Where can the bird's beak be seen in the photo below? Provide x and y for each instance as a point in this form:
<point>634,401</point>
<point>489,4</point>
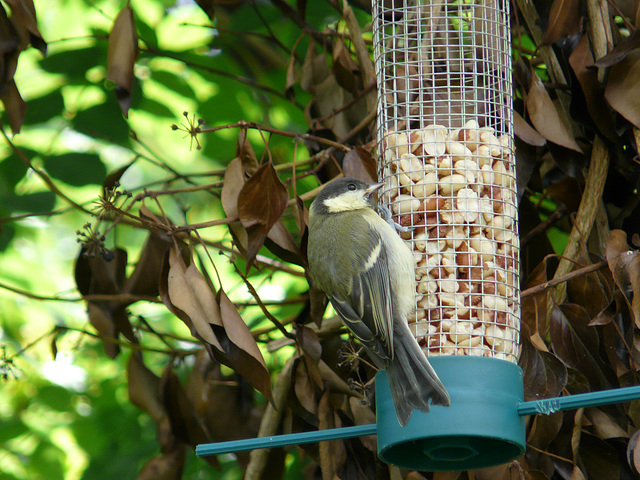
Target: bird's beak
<point>374,187</point>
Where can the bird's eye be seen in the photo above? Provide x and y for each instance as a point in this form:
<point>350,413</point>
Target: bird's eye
<point>351,186</point>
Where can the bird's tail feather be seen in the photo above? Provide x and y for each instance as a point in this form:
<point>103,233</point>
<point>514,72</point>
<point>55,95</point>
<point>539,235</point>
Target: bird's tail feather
<point>412,380</point>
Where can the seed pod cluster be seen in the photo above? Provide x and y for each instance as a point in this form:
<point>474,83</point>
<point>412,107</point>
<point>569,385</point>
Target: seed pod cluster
<point>455,189</point>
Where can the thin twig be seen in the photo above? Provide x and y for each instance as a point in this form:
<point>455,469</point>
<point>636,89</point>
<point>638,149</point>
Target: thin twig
<point>563,278</point>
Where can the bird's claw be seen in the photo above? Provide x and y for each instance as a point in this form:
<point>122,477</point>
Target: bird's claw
<point>386,214</point>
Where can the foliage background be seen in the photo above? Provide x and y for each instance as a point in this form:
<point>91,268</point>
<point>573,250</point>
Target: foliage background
<point>105,376</point>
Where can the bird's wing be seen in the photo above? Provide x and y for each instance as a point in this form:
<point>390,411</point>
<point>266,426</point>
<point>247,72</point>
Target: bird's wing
<point>368,310</point>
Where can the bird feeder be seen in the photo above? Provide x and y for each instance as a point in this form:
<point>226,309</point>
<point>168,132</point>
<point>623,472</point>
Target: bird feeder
<point>446,157</point>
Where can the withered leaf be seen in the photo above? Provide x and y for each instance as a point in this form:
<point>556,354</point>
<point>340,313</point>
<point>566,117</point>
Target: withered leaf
<point>14,105</point>
<point>360,164</point>
<point>189,291</point>
<point>576,344</point>
<point>633,452</point>
<point>544,428</point>
<point>252,365</point>
<point>280,242</point>
<point>148,215</point>
<point>594,291</point>
<point>623,87</point>
<point>303,388</point>
<point>121,56</point>
<point>308,340</point>
<point>593,91</point>
<point>600,458</point>
<point>261,202</point>
<point>144,387</point>
<point>185,423</point>
<point>620,51</point>
<point>114,177</point>
<point>545,117</point>
<point>166,466</point>
<point>103,323</point>
<point>526,132</point>
<point>624,265</point>
<point>544,375</point>
<point>364,415</point>
<point>604,426</point>
<point>245,152</point>
<point>233,183</point>
<point>564,20</point>
<point>23,16</point>
<point>344,68</point>
<point>333,453</point>
<point>146,276</point>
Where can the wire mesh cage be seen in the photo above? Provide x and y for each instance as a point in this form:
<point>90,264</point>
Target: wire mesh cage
<point>446,155</point>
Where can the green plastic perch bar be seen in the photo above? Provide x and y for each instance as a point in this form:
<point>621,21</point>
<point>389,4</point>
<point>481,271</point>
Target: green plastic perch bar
<point>546,406</point>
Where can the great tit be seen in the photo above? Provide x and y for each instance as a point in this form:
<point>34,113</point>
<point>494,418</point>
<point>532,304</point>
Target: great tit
<point>367,272</point>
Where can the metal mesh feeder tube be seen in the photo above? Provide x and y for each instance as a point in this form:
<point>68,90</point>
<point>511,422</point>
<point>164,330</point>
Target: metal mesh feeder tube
<point>446,156</point>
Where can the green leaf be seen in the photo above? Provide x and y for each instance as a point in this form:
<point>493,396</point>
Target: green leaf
<point>93,122</point>
<point>43,109</point>
<point>77,169</point>
<point>74,63</point>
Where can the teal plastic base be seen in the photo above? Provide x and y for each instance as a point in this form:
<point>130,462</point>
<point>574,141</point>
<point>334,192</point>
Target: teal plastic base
<point>481,428</point>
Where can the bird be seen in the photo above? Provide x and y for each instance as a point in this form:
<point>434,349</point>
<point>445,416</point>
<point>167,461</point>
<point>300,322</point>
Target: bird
<point>366,271</point>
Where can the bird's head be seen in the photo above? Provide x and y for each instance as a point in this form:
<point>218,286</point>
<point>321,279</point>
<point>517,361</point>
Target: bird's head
<point>344,195</point>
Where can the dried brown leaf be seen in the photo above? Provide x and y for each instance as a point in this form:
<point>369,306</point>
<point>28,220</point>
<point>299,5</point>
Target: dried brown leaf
<point>564,20</point>
<point>580,60</point>
<point>261,202</point>
<point>526,132</point>
<point>624,265</point>
<point>623,87</point>
<point>344,68</point>
<point>114,177</point>
<point>593,291</point>
<point>308,341</point>
<point>604,426</point>
<point>251,365</point>
<point>633,452</point>
<point>600,460</point>
<point>14,105</point>
<point>146,275</point>
<point>360,164</point>
<point>544,375</point>
<point>186,425</point>
<point>189,291</point>
<point>166,466</point>
<point>620,51</point>
<point>577,474</point>
<point>544,429</point>
<point>23,16</point>
<point>121,56</point>
<point>244,151</point>
<point>280,242</point>
<point>103,323</point>
<point>333,453</point>
<point>576,344</point>
<point>545,117</point>
<point>303,388</point>
<point>144,388</point>
<point>364,415</point>
<point>233,183</point>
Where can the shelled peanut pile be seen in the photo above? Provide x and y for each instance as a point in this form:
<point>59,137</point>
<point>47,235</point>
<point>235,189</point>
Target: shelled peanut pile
<point>456,189</point>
